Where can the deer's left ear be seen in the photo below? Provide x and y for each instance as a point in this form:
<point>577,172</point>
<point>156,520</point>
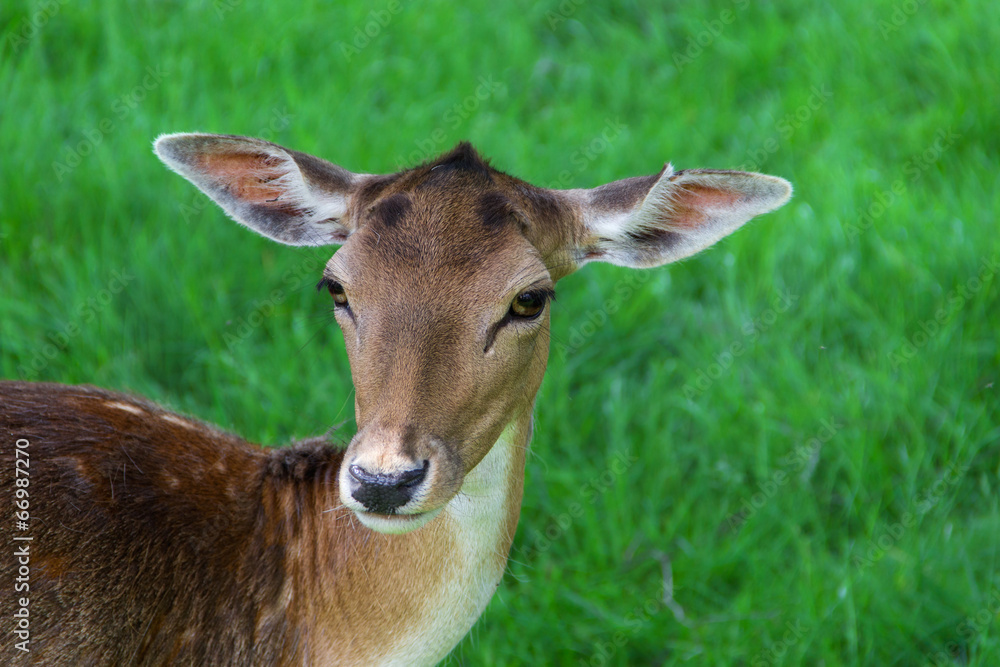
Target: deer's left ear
<point>652,220</point>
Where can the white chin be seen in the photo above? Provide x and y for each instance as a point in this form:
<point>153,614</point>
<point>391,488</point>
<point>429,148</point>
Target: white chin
<point>396,524</point>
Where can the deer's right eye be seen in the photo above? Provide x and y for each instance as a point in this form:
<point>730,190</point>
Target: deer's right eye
<point>336,291</point>
<point>529,305</point>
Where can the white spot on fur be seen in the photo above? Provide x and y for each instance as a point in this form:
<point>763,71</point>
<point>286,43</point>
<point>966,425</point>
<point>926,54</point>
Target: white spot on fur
<point>127,407</point>
<point>81,468</point>
<point>174,419</point>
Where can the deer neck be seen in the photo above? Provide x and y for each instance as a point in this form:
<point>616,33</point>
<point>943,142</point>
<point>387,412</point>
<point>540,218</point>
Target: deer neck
<point>409,599</point>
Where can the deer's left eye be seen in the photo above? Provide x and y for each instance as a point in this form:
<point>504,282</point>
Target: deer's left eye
<point>529,305</point>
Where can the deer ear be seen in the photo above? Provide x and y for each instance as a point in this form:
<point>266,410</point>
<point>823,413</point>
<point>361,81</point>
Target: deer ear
<point>652,220</point>
<point>282,194</point>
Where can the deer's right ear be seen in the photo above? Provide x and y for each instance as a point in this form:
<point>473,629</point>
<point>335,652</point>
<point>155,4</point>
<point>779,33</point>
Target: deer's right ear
<point>282,194</point>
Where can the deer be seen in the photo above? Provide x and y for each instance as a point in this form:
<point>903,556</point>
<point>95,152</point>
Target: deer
<point>155,538</point>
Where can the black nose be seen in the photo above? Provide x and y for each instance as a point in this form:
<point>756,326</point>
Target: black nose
<point>385,493</point>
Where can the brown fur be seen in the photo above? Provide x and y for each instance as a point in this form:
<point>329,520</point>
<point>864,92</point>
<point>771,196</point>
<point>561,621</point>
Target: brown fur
<point>213,552</point>
<point>143,542</point>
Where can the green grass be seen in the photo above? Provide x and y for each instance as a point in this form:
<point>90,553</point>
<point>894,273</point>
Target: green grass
<point>876,546</point>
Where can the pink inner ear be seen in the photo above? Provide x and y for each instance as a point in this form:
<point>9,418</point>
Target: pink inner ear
<point>245,175</point>
<point>693,204</point>
<point>248,177</point>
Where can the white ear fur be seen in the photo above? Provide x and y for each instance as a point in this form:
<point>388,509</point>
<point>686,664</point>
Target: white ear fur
<point>290,197</point>
<point>681,214</point>
<point>316,203</point>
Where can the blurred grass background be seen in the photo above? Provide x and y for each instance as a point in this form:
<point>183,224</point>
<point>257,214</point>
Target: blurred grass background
<point>811,405</point>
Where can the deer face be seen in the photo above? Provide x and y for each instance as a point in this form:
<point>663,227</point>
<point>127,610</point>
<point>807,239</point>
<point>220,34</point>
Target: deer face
<point>444,305</point>
<point>442,287</point>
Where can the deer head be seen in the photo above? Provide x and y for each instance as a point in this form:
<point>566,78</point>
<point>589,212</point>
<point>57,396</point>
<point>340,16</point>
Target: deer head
<point>442,287</point>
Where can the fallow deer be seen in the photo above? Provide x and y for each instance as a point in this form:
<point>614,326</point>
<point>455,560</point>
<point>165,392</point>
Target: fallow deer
<point>157,539</point>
